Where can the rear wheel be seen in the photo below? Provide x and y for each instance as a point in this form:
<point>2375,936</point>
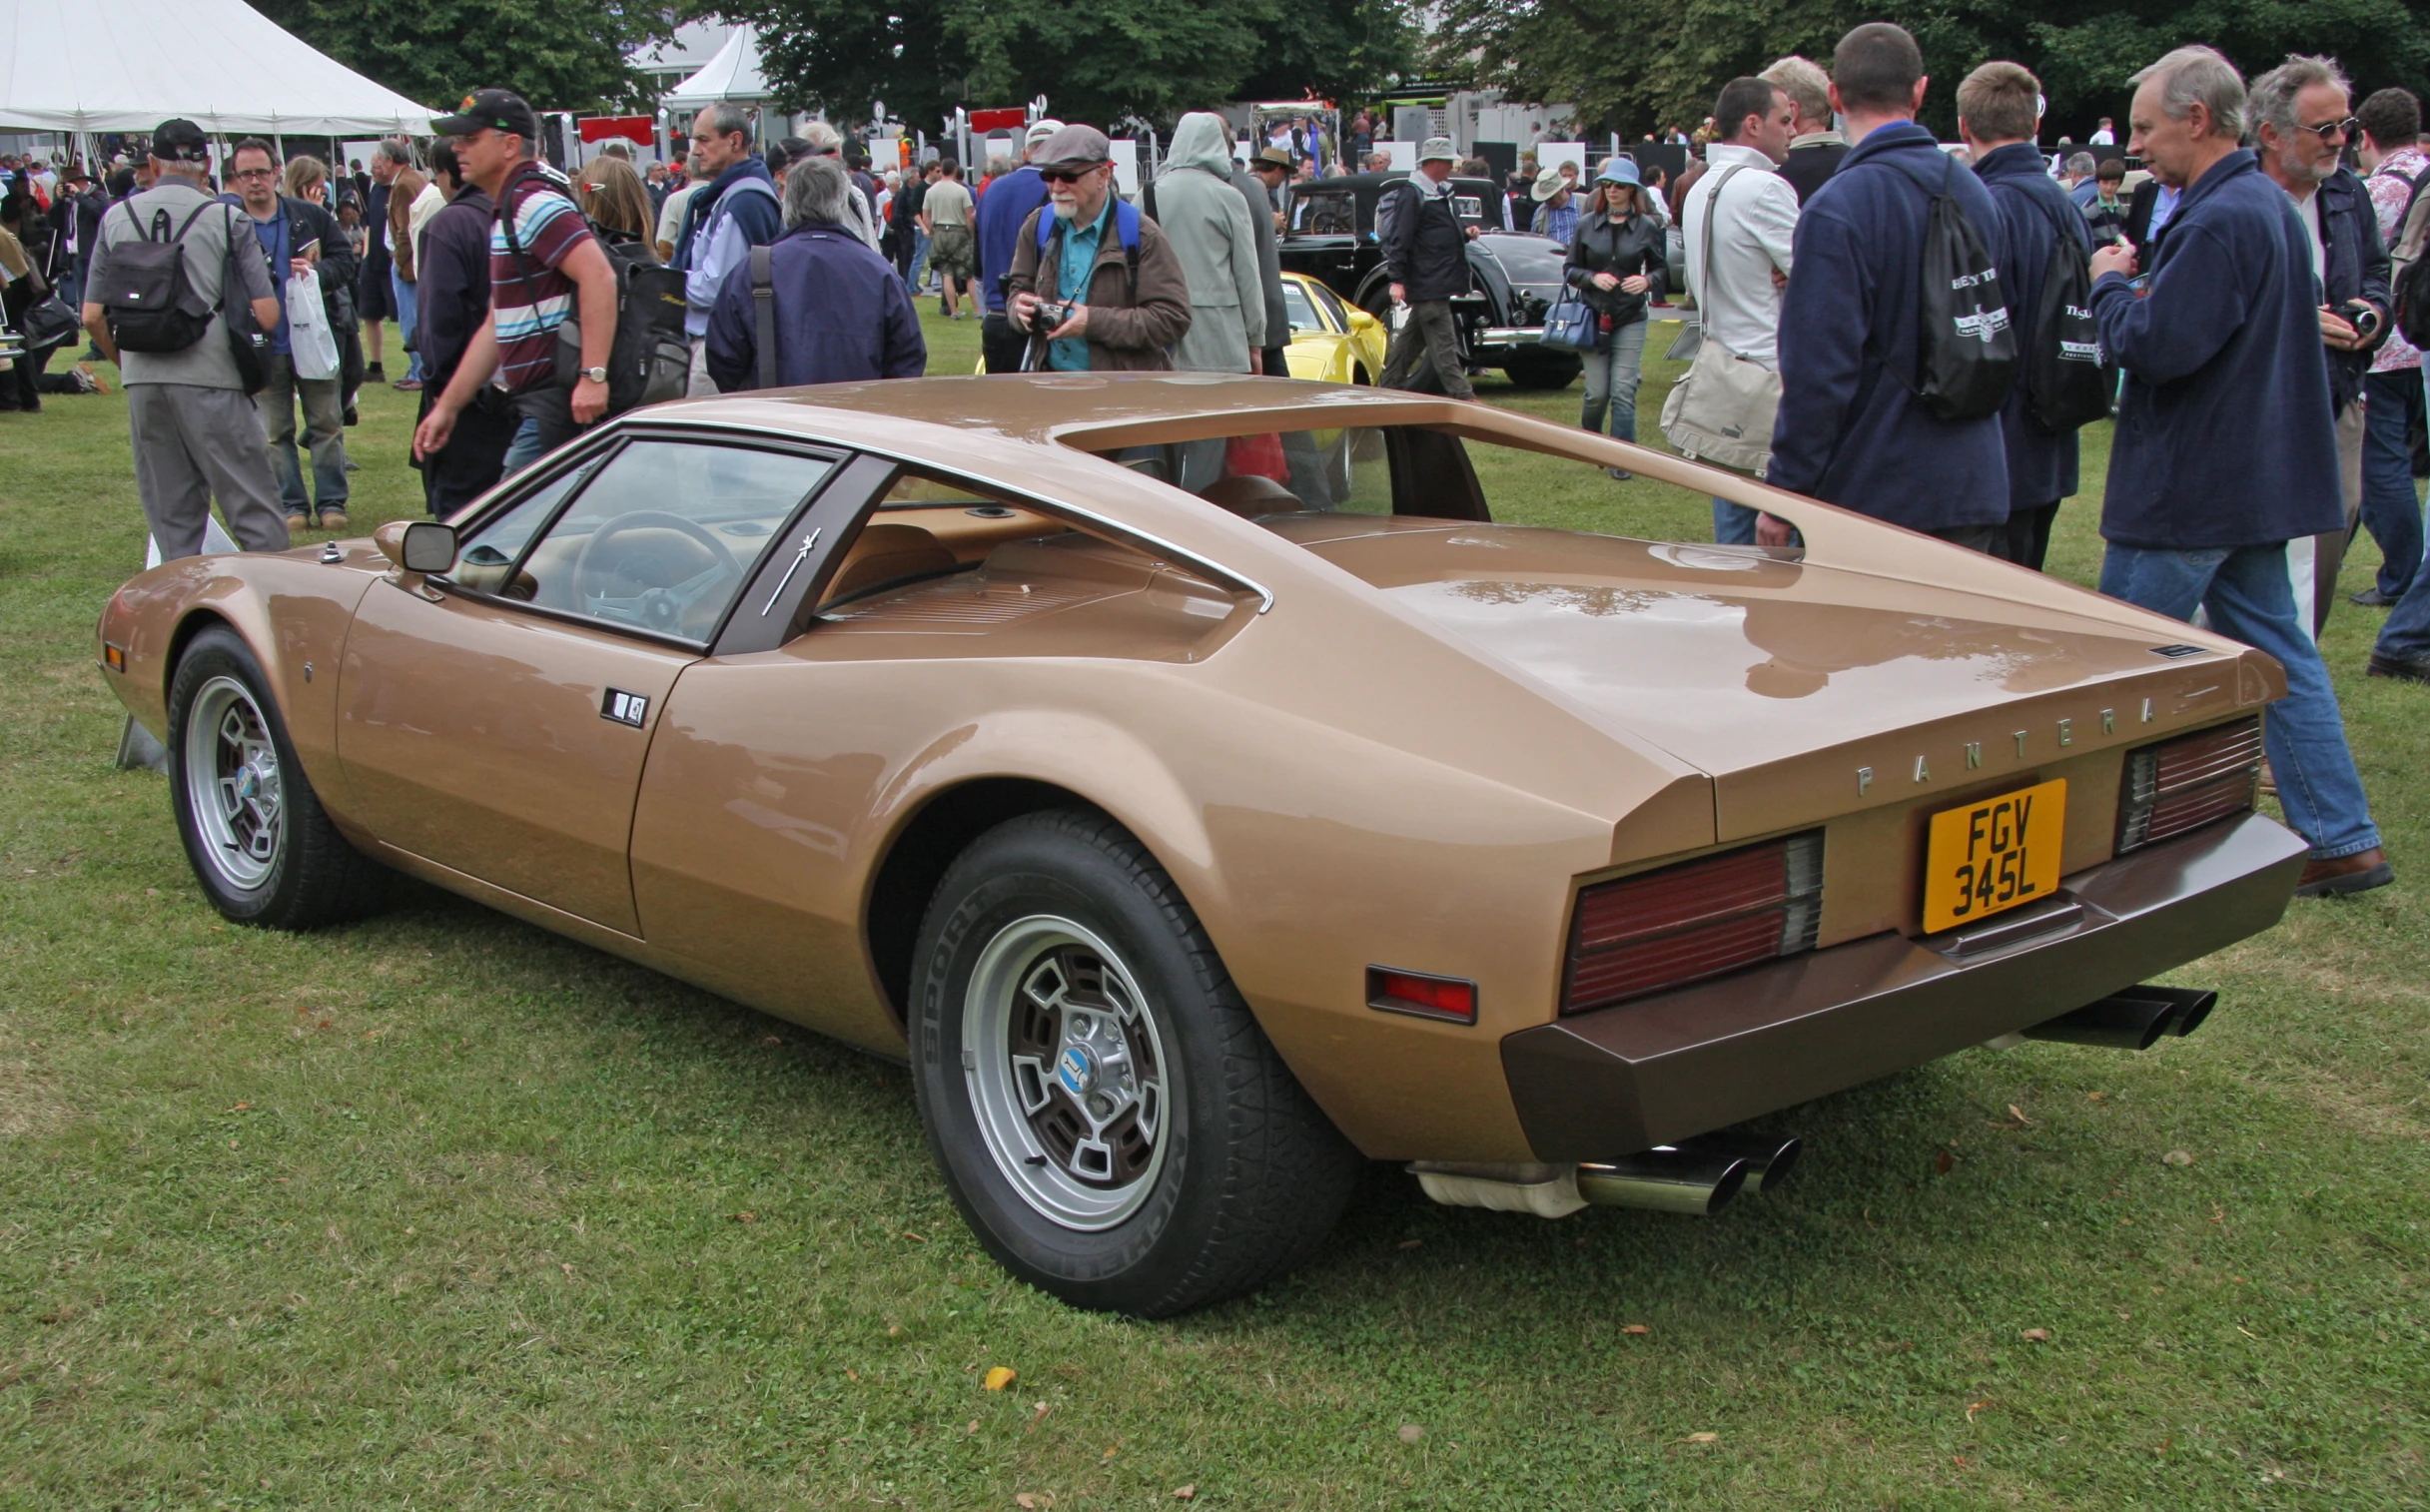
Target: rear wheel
<point>254,830</point>
<point>1542,369</point>
<point>1107,1116</point>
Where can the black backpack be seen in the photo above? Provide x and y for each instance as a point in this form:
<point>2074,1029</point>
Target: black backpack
<point>1966,348</point>
<point>150,304</point>
<point>2068,381</point>
<point>649,358</point>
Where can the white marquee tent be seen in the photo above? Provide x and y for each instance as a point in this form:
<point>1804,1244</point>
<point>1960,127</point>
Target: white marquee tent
<point>732,74</point>
<point>128,65</point>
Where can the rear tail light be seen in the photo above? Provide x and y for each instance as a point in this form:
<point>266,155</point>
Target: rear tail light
<point>2185,783</point>
<point>1684,923</point>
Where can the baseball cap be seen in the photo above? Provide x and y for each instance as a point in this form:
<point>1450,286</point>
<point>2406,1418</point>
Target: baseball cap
<point>1438,150</point>
<point>490,109</point>
<point>1076,147</point>
<point>180,141</point>
<point>1040,130</point>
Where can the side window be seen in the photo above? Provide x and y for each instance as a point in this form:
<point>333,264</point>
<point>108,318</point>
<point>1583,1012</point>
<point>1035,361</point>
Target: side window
<point>486,562</point>
<point>665,534</point>
<point>1332,306</point>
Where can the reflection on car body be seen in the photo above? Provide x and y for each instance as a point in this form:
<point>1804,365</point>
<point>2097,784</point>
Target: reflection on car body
<point>1203,786</point>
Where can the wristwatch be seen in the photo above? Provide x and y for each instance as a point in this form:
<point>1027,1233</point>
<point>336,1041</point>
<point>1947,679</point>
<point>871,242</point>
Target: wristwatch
<point>595,375</point>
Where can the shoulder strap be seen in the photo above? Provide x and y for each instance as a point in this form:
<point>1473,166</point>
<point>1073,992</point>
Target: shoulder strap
<point>1705,257</point>
<point>763,312</point>
<point>1126,225</point>
<point>2407,229</point>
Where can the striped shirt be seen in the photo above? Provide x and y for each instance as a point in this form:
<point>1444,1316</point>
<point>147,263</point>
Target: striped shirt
<point>548,227</point>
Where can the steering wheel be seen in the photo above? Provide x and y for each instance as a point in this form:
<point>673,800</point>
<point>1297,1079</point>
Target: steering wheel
<point>664,609</point>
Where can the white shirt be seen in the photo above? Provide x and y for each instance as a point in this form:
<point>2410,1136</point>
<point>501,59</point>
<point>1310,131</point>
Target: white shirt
<point>2104,138</point>
<point>1754,228</point>
<point>2307,210</point>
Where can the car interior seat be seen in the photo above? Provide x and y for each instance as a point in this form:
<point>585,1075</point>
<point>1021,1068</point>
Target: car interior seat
<point>883,553</point>
<point>1249,495</point>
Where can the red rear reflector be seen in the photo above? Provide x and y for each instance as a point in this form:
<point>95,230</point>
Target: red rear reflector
<point>2182,784</point>
<point>1428,997</point>
<point>1699,919</point>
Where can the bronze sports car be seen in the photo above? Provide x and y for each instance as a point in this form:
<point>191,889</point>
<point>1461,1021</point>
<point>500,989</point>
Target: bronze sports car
<point>1203,790</point>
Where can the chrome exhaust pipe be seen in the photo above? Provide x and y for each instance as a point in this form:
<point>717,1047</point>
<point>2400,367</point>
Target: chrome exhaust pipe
<point>1769,1157</point>
<point>1666,1178</point>
<point>2133,1019</point>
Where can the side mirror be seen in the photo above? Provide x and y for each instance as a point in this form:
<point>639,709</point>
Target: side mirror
<point>419,547</point>
<point>1361,320</point>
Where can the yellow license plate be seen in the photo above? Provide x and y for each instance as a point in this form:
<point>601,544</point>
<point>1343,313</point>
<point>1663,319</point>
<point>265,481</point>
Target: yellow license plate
<point>1993,855</point>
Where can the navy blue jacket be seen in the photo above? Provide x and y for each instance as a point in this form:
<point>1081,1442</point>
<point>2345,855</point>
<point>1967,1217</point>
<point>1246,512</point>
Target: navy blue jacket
<point>1002,210</point>
<point>2357,269</point>
<point>2035,213</point>
<point>1851,430</point>
<point>841,314</point>
<point>757,215</point>
<point>453,294</point>
<point>2225,436</point>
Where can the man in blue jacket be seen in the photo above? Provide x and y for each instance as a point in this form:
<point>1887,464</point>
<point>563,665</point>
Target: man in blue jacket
<point>1998,111</point>
<point>1002,211</point>
<point>2225,452</point>
<point>837,312</point>
<point>1851,430</point>
<point>733,212</point>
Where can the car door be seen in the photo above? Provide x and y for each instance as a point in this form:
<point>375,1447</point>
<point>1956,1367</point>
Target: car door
<point>495,719</point>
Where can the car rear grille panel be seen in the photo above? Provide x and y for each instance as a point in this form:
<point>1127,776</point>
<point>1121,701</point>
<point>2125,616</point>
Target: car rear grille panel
<point>1686,923</point>
<point>2184,784</point>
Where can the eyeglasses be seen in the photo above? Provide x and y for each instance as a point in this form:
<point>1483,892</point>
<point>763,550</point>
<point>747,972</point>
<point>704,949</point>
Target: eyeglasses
<point>255,172</point>
<point>1065,174</point>
<point>2329,129</point>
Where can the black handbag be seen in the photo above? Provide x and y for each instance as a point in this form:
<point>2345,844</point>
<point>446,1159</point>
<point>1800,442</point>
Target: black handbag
<point>47,323</point>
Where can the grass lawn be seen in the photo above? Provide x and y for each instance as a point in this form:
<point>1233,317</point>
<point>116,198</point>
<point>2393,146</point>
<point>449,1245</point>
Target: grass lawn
<point>439,1210</point>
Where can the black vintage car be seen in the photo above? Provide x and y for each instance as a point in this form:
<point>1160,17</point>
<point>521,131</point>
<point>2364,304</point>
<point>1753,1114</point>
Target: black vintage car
<point>1330,233</point>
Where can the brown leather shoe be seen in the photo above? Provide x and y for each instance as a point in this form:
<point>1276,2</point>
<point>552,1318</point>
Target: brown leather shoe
<point>2358,873</point>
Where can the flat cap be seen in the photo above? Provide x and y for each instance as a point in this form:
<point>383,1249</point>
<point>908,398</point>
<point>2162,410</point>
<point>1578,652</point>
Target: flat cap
<point>1076,147</point>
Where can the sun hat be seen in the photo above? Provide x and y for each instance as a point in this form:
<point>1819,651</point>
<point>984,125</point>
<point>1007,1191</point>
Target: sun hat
<point>1439,150</point>
<point>1619,171</point>
<point>1272,157</point>
<point>1548,182</point>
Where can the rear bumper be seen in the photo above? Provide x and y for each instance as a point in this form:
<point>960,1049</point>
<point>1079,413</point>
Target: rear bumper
<point>1679,1064</point>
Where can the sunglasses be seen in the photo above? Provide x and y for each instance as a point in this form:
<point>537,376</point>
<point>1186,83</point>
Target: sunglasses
<point>1065,174</point>
<point>2327,129</point>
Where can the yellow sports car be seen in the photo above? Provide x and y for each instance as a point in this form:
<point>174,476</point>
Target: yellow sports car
<point>1332,342</point>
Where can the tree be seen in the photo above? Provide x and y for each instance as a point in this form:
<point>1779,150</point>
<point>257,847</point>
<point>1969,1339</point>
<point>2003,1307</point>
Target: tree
<point>1630,68</point>
<point>556,54</point>
<point>1094,60</point>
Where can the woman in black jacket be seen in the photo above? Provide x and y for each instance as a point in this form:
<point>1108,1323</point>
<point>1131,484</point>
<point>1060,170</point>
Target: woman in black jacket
<point>1616,265</point>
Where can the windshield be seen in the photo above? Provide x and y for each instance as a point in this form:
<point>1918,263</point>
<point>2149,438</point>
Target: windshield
<point>1302,309</point>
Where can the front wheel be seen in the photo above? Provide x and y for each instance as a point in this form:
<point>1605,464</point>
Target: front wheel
<point>1107,1116</point>
<point>253,829</point>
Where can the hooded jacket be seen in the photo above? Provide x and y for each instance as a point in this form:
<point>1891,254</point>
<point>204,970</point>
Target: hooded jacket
<point>2035,213</point>
<point>1207,223</point>
<point>721,224</point>
<point>1851,430</point>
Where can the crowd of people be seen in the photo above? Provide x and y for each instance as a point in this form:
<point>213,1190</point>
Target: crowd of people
<point>2240,305</point>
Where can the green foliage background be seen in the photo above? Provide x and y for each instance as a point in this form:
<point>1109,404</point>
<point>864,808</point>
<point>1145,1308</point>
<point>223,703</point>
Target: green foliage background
<point>557,53</point>
<point>1632,68</point>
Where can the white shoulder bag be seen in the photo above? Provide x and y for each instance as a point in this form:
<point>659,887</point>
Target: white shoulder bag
<point>1722,411</point>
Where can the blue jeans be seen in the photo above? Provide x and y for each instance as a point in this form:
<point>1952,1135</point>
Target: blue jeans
<point>1611,381</point>
<point>2248,597</point>
<point>405,322</point>
<point>918,258</point>
<point>1734,525</point>
<point>526,449</point>
<point>323,437</point>
<point>2389,507</point>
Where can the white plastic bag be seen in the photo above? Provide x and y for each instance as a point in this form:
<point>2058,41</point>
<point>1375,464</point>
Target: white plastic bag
<point>310,339</point>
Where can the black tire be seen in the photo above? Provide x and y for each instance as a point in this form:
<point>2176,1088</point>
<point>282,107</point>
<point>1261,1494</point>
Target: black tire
<point>1247,1176</point>
<point>293,872</point>
<point>1546,371</point>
